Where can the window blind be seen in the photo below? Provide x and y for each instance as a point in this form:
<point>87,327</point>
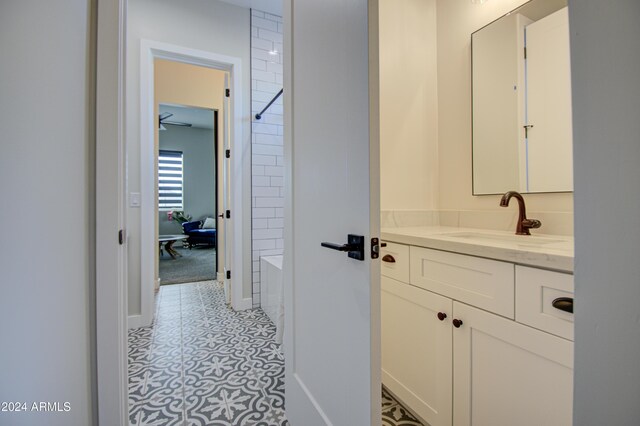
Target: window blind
<point>170,180</point>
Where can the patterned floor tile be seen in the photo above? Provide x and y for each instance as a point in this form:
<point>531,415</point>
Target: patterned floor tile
<point>201,363</point>
<point>394,414</point>
<point>226,404</point>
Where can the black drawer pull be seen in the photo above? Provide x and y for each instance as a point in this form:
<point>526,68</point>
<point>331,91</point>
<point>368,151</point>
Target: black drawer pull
<point>457,323</point>
<point>388,258</point>
<point>564,304</point>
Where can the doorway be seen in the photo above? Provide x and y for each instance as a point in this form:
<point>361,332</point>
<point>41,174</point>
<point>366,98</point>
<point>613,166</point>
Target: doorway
<point>174,72</point>
<point>181,368</point>
<point>187,193</point>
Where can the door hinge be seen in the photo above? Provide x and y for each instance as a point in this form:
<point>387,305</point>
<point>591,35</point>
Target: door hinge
<point>228,214</point>
<point>121,237</point>
<point>375,248</point>
<point>228,275</point>
<point>227,92</point>
<point>227,153</point>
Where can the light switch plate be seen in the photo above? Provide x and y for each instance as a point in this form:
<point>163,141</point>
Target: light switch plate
<point>134,199</point>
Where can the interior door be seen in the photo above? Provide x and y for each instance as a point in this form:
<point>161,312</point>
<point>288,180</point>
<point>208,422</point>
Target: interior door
<point>226,219</point>
<point>218,148</point>
<point>332,301</point>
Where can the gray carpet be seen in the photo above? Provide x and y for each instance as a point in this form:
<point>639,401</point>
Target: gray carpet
<point>197,264</point>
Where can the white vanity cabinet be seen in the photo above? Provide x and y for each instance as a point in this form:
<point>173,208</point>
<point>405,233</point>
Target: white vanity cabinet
<point>416,331</point>
<point>506,373</point>
<point>417,349</point>
<point>471,341</point>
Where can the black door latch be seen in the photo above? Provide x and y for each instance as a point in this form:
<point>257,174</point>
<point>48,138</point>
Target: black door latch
<point>354,246</point>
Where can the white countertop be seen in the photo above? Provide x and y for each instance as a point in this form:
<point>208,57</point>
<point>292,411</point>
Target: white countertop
<point>545,251</point>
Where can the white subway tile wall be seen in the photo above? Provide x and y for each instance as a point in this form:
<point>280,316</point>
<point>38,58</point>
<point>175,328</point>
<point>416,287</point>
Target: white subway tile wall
<point>267,142</point>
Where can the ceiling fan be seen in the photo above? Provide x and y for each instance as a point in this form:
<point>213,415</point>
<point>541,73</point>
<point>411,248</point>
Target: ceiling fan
<point>162,119</point>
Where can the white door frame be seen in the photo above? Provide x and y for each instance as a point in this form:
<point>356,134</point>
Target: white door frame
<point>150,51</point>
<point>111,283</point>
<point>111,290</point>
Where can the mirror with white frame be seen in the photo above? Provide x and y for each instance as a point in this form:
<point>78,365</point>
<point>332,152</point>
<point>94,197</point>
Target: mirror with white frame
<point>521,99</point>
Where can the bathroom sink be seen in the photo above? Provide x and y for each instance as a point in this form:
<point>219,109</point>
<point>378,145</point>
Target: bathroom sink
<point>513,239</point>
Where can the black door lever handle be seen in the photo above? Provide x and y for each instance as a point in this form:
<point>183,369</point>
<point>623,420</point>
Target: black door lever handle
<point>354,246</point>
<point>343,247</point>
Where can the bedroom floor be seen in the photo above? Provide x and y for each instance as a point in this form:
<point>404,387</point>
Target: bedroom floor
<point>195,264</point>
<point>202,363</point>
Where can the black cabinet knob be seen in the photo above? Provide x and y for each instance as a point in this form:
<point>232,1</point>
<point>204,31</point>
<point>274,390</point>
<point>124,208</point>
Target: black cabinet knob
<point>457,323</point>
<point>441,316</point>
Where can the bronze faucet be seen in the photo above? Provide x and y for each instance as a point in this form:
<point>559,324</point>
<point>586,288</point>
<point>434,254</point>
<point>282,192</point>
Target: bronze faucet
<point>524,224</point>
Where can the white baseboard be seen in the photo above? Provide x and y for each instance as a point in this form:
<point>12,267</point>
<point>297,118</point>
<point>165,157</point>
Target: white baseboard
<point>134,321</point>
<point>246,303</point>
<point>137,321</point>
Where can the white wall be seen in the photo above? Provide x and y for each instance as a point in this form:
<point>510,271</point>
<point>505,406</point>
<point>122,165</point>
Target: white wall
<point>605,61</point>
<point>267,141</point>
<point>408,105</point>
<point>207,25</point>
<point>273,7</point>
<point>47,217</point>
<point>425,121</point>
<point>456,21</point>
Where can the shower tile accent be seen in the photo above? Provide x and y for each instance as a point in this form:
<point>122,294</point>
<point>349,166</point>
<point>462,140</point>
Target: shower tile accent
<point>267,142</point>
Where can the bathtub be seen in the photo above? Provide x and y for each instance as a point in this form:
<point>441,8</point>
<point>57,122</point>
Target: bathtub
<point>271,292</point>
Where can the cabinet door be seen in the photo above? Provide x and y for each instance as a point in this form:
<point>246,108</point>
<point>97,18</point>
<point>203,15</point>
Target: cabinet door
<point>508,374</point>
<point>416,349</point>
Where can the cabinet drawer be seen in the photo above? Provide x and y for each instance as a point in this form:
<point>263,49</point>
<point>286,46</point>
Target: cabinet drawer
<point>487,284</point>
<point>394,259</point>
<point>536,289</point>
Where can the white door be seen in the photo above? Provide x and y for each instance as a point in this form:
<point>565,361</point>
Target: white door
<point>220,194</point>
<point>332,302</point>
<point>508,374</point>
<point>226,219</point>
<point>548,105</point>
